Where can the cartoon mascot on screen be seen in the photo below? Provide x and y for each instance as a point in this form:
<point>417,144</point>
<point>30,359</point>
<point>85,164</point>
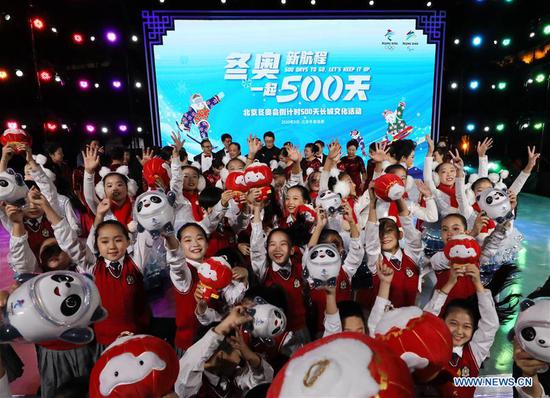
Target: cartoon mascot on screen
<point>397,127</point>
<point>198,113</point>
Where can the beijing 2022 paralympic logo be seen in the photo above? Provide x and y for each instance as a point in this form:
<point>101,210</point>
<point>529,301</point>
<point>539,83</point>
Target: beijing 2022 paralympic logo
<point>390,42</point>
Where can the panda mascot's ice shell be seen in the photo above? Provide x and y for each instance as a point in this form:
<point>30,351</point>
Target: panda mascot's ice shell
<point>12,188</point>
<point>330,202</point>
<point>343,365</point>
<point>154,212</point>
<point>389,187</point>
<point>533,327</point>
<point>56,305</point>
<point>496,204</point>
<point>138,366</point>
<point>268,321</point>
<point>420,338</point>
<point>322,265</point>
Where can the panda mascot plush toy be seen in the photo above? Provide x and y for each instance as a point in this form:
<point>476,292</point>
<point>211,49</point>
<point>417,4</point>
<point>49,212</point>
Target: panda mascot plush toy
<point>330,202</point>
<point>495,203</point>
<point>56,305</point>
<point>268,321</point>
<point>12,188</point>
<point>154,212</point>
<point>533,328</point>
<point>322,265</point>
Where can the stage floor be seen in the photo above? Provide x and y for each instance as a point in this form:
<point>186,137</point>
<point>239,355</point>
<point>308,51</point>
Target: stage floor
<point>534,262</point>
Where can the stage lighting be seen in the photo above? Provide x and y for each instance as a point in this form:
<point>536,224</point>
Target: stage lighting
<point>477,40</point>
<point>51,126</point>
<point>117,84</point>
<point>92,38</point>
<point>457,41</point>
<point>529,81</point>
<point>500,127</point>
<point>45,76</point>
<point>371,3</point>
<point>538,125</point>
<point>429,4</point>
<point>486,128</point>
<point>19,73</point>
<point>78,38</point>
<point>104,130</point>
<point>495,42</point>
<point>3,74</point>
<point>38,23</point>
<point>506,41</point>
<point>122,127</point>
<point>546,29</point>
<point>474,84</point>
<point>64,127</point>
<point>540,78</point>
<point>470,127</point>
<point>111,36</point>
<point>312,2</point>
<point>96,85</point>
<point>90,128</point>
<point>524,126</point>
<point>532,34</point>
<point>7,17</point>
<point>493,86</point>
<point>139,129</point>
<point>161,1</point>
<point>138,84</point>
<point>54,29</point>
<point>453,128</point>
<point>23,126</point>
<point>502,85</point>
<point>12,124</point>
<point>84,84</point>
<point>134,38</point>
<point>454,85</point>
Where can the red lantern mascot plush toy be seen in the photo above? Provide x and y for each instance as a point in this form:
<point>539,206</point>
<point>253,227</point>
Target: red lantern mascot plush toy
<point>420,338</point>
<point>16,138</point>
<point>235,182</point>
<point>389,187</point>
<point>139,366</point>
<point>343,365</point>
<point>460,250</point>
<point>154,170</point>
<point>214,275</point>
<point>258,175</point>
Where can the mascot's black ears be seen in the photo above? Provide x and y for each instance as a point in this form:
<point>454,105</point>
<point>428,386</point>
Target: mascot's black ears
<point>526,304</point>
<point>8,333</point>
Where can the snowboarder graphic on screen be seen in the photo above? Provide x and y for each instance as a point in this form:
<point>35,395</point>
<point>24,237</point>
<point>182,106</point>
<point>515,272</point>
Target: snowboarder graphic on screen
<point>198,113</point>
<point>397,127</point>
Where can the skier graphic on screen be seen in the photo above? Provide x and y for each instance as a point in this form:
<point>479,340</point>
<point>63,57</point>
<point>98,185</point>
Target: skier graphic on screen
<point>397,127</point>
<point>198,113</point>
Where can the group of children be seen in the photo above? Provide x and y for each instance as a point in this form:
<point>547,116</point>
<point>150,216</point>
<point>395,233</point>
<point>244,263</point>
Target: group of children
<point>391,253</point>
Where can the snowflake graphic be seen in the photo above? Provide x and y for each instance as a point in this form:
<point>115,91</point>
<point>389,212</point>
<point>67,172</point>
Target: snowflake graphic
<point>246,83</point>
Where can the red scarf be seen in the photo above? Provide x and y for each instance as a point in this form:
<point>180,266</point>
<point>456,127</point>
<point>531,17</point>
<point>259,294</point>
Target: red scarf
<point>393,211</point>
<point>193,198</point>
<point>351,202</point>
<point>122,213</point>
<point>490,225</point>
<point>450,191</point>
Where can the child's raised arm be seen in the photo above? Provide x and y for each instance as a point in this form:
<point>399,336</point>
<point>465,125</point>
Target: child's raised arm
<point>258,252</point>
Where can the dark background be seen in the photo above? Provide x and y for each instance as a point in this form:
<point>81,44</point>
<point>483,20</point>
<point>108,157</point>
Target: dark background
<point>24,100</point>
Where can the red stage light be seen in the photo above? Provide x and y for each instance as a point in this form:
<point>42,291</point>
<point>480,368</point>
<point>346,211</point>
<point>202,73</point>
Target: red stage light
<point>38,23</point>
<point>51,126</point>
<point>3,74</point>
<point>78,38</point>
<point>12,124</point>
<point>45,76</point>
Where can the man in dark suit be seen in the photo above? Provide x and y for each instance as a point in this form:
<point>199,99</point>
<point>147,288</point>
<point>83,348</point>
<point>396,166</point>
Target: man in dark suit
<point>269,151</point>
<point>204,159</point>
<point>320,155</point>
<point>226,141</point>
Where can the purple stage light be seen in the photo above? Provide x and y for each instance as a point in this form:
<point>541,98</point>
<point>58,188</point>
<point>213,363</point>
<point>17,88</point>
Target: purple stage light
<point>123,127</point>
<point>117,84</point>
<point>84,84</point>
<point>111,36</point>
<point>90,128</point>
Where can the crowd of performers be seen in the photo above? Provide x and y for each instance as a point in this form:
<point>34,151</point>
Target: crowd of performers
<point>281,269</point>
